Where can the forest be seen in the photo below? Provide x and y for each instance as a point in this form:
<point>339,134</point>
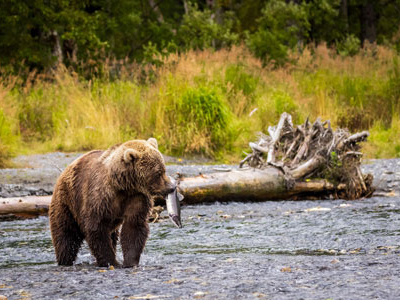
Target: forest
<point>201,76</point>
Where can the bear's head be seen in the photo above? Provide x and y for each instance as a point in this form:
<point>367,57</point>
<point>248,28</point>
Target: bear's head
<point>138,166</point>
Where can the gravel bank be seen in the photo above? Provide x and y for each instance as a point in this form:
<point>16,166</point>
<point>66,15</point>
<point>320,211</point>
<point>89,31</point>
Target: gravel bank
<point>38,173</point>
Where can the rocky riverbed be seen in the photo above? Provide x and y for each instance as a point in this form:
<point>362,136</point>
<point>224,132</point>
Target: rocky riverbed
<point>328,249</point>
<point>320,249</point>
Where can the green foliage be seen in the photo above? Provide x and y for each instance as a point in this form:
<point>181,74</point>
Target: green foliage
<point>8,139</point>
<point>349,46</point>
<point>273,104</point>
<point>201,118</point>
<point>28,30</point>
<point>283,102</point>
<point>393,86</point>
<point>204,108</point>
<point>334,172</point>
<point>36,111</point>
<point>385,141</point>
<point>89,32</point>
<point>282,27</point>
<point>241,80</point>
<point>323,14</point>
<point>200,31</point>
<point>153,55</point>
<point>358,100</point>
<point>240,84</point>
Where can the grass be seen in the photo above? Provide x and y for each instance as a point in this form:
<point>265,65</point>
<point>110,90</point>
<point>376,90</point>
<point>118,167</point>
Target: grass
<point>208,103</point>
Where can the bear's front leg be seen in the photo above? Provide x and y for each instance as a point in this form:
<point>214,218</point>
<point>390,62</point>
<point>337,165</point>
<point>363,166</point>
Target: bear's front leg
<point>134,233</point>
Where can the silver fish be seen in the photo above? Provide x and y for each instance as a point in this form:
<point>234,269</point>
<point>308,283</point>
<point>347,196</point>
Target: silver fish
<point>174,206</point>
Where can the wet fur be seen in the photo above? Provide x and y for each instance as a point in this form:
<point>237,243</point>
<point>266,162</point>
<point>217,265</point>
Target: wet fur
<point>101,191</point>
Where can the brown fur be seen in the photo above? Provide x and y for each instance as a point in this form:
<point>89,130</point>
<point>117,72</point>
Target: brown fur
<point>102,190</point>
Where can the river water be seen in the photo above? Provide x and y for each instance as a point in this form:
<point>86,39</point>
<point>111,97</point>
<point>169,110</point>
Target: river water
<point>271,250</point>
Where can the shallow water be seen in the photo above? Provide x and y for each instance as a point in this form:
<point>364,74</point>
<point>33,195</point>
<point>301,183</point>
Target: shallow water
<point>271,250</point>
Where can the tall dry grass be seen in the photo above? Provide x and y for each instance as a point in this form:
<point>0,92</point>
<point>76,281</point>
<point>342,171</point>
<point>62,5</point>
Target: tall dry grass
<point>203,102</point>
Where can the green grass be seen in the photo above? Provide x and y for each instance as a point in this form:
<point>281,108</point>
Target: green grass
<point>199,103</point>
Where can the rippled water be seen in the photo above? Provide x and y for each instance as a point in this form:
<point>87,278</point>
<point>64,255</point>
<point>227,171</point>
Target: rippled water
<point>271,250</point>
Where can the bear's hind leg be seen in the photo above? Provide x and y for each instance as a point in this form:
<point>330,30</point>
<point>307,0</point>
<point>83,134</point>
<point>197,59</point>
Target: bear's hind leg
<point>66,235</point>
<point>101,244</point>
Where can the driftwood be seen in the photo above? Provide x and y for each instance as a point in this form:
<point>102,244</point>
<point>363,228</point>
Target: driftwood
<point>251,185</point>
<point>34,206</point>
<point>24,207</point>
<point>296,162</point>
<point>314,151</point>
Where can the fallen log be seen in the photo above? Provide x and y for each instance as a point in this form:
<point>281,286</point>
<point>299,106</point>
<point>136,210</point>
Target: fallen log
<point>249,185</point>
<point>24,207</point>
<point>236,185</point>
<point>34,206</point>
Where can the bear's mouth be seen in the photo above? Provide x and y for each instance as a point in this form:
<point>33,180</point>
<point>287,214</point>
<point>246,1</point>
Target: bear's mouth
<point>162,195</point>
<point>159,194</point>
<point>164,192</point>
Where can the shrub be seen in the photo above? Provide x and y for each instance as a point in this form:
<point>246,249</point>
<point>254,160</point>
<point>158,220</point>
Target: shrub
<point>198,122</point>
<point>281,27</point>
<point>350,46</point>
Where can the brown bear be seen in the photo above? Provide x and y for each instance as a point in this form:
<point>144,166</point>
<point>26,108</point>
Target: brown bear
<point>102,190</point>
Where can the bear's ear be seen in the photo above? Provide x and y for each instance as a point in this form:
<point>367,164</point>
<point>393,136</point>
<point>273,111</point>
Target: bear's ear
<point>153,142</point>
<point>130,155</point>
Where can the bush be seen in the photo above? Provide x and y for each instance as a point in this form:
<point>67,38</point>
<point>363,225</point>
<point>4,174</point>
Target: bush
<point>350,46</point>
<point>198,122</point>
<point>273,105</point>
<point>282,27</point>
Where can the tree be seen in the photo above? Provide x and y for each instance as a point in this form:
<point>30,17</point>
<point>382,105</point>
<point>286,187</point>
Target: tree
<point>281,27</point>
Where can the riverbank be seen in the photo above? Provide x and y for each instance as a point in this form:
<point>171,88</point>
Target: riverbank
<point>37,174</point>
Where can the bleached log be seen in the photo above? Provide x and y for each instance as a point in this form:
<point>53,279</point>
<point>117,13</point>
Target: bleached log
<point>247,185</point>
<point>236,185</point>
<point>276,134</point>
<point>30,206</point>
<point>307,167</point>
